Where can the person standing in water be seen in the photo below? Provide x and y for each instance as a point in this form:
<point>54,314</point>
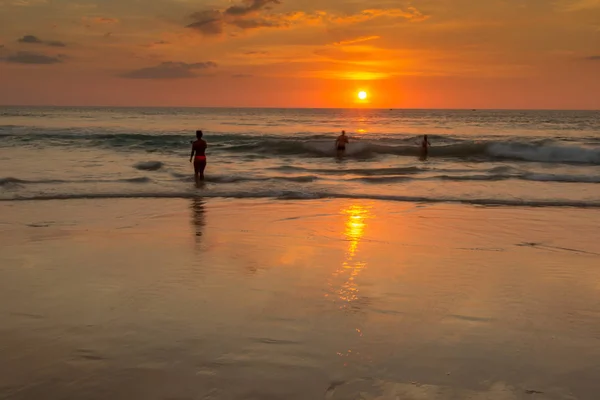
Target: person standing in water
<point>199,156</point>
<point>425,147</point>
<point>341,142</point>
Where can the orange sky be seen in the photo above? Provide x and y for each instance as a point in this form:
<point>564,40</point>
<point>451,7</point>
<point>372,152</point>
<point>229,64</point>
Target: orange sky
<point>303,53</point>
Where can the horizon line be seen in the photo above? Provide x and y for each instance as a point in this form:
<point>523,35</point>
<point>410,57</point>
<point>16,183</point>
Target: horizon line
<point>301,108</point>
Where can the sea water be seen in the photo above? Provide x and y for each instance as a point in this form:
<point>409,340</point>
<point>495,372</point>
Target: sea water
<point>488,157</point>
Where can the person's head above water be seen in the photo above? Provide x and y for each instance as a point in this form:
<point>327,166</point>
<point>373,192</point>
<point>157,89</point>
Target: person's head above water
<point>343,133</point>
<point>199,134</point>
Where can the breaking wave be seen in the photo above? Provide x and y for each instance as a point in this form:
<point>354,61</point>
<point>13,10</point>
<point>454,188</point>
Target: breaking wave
<point>477,151</point>
<point>318,145</point>
<point>10,181</point>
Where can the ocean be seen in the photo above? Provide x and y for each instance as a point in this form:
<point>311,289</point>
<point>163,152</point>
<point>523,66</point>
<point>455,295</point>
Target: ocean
<point>484,157</point>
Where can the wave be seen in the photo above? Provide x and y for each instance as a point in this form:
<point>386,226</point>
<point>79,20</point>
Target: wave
<point>235,178</point>
<point>10,181</point>
<point>550,153</point>
<point>357,171</point>
<point>148,165</point>
<point>538,151</point>
<point>298,195</point>
<point>561,178</point>
<point>485,177</point>
<point>476,151</point>
<point>239,178</point>
<point>378,176</point>
<point>319,145</point>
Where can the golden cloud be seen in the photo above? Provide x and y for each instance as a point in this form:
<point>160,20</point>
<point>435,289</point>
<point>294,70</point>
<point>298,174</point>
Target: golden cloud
<point>410,14</point>
<point>254,14</point>
<point>100,20</point>
<point>579,5</point>
<point>359,39</point>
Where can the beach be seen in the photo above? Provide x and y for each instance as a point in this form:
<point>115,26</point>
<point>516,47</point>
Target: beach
<point>299,200</point>
<point>294,272</point>
<point>213,298</point>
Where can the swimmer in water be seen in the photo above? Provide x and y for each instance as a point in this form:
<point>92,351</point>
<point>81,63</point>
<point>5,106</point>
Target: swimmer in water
<point>199,156</point>
<point>341,142</point>
<point>425,147</point>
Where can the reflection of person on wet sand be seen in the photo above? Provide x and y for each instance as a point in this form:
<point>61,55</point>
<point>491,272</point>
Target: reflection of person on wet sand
<point>424,147</point>
<point>198,216</point>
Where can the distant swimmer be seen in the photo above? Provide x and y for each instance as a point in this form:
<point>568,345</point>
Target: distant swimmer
<point>199,156</point>
<point>341,142</point>
<point>425,147</point>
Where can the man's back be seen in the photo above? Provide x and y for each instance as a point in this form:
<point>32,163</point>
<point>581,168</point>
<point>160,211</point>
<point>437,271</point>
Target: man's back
<point>342,139</point>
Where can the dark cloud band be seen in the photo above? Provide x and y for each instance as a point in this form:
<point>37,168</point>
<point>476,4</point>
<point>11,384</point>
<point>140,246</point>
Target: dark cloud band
<point>169,70</point>
<point>31,39</point>
<point>26,57</point>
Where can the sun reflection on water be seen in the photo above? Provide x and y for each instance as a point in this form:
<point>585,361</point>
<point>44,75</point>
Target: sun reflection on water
<point>350,269</point>
<point>344,280</point>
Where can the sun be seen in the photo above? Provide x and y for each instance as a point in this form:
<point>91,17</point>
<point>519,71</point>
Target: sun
<point>362,95</point>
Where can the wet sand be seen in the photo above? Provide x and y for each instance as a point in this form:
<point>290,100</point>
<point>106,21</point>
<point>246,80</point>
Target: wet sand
<point>251,299</point>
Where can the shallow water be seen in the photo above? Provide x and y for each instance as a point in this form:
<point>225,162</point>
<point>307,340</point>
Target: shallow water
<point>483,157</point>
<point>340,296</point>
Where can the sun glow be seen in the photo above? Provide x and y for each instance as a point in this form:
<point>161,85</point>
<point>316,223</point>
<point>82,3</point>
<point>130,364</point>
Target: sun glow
<point>362,95</point>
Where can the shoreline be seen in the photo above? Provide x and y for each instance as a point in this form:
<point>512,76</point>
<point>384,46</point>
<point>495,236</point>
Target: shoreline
<point>302,196</point>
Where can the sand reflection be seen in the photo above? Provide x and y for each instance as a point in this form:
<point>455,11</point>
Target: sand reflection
<point>352,266</point>
<point>198,217</point>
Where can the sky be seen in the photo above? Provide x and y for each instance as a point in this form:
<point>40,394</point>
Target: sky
<point>508,54</point>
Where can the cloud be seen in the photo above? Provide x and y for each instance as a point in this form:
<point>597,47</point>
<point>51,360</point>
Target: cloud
<point>157,44</point>
<point>31,39</point>
<point>256,23</point>
<point>249,15</point>
<point>356,40</point>
<point>26,57</point>
<point>593,58</point>
<point>250,7</point>
<point>208,22</point>
<point>169,70</point>
<point>254,14</point>
<point>104,20</point>
<point>100,20</point>
<point>579,5</point>
<point>410,14</point>
<point>88,22</point>
<point>256,53</point>
<point>242,75</point>
<point>22,3</point>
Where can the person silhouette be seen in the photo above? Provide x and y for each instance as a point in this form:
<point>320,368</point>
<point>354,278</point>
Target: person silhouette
<point>425,144</point>
<point>341,142</point>
<point>199,156</point>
